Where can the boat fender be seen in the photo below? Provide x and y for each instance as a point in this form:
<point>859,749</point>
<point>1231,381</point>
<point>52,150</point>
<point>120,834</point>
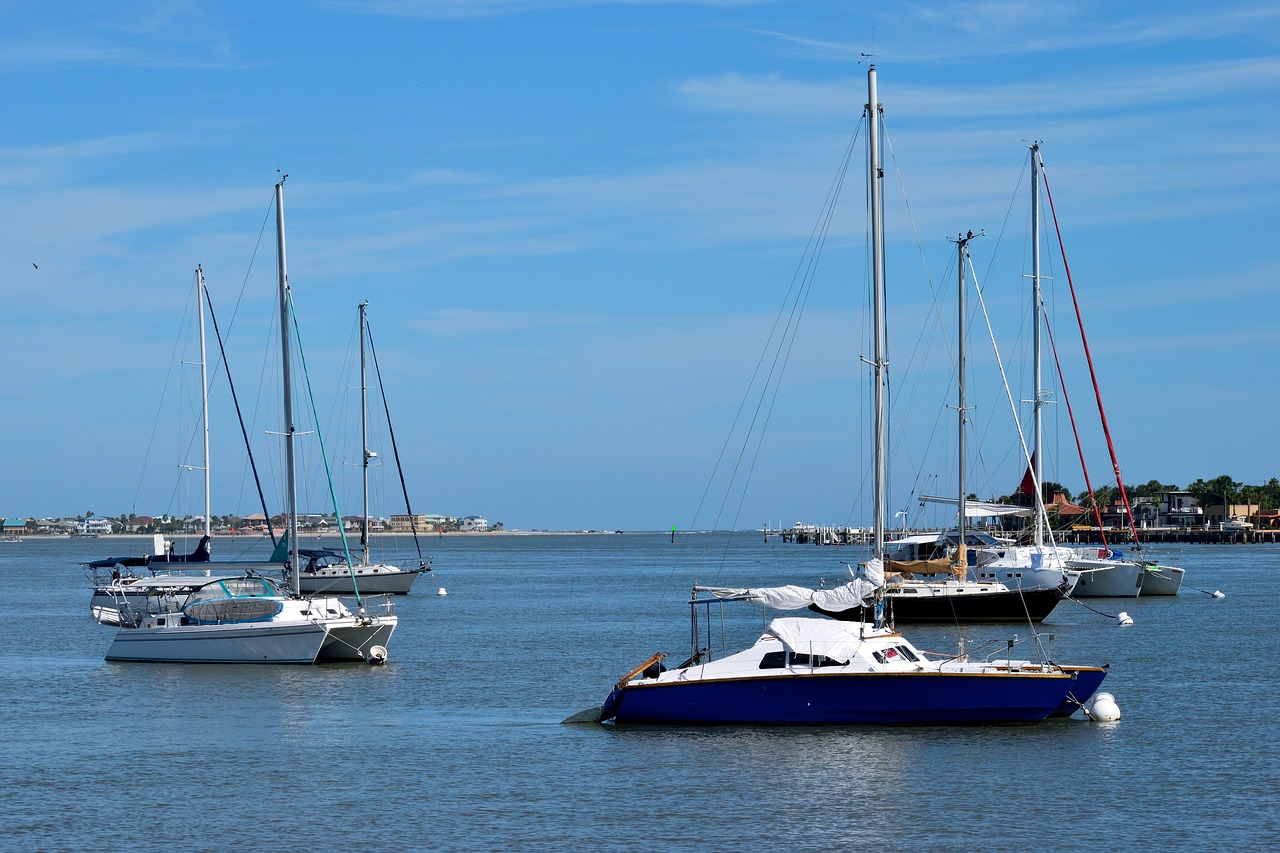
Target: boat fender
<point>377,655</point>
<point>1125,621</point>
<point>1104,709</point>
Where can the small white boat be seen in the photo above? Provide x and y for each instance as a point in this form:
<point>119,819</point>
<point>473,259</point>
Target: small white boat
<point>327,572</point>
<point>249,619</point>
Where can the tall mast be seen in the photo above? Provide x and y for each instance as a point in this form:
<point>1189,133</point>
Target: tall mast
<point>876,179</point>
<point>364,441</point>
<point>291,483</point>
<point>204,394</point>
<point>1037,461</point>
<point>962,248</point>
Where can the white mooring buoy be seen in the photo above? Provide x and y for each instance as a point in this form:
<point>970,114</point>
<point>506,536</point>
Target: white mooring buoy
<point>377,655</point>
<point>441,591</point>
<point>1125,621</point>
<point>1217,593</point>
<point>1104,709</point>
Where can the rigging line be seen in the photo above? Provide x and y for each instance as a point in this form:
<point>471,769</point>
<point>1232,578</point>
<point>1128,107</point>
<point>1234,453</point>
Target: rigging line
<point>990,470</point>
<point>324,456</point>
<point>155,421</point>
<point>1012,406</point>
<point>915,232</point>
<point>395,449</point>
<point>797,280</point>
<point>782,358</point>
<point>1097,392</point>
<point>777,387</point>
<point>1084,467</point>
<point>271,206</point>
<point>942,325</point>
<point>217,333</point>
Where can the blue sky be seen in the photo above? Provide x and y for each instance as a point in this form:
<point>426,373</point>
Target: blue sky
<point>575,223</point>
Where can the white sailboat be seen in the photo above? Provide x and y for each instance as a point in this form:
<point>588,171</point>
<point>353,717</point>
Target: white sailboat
<point>928,581</point>
<point>249,618</point>
<point>328,571</point>
<point>121,586</point>
<point>1102,572</point>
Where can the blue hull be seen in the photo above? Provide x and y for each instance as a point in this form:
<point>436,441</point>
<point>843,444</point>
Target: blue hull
<point>847,699</point>
<point>1088,679</point>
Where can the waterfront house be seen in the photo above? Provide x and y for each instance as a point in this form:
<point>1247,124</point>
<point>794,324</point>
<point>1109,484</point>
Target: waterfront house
<point>93,527</point>
<point>405,523</point>
<point>1179,509</point>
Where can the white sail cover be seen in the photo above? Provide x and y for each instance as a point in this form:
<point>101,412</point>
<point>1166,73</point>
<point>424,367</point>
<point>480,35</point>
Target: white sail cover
<point>836,640</point>
<point>856,593</point>
<point>980,509</point>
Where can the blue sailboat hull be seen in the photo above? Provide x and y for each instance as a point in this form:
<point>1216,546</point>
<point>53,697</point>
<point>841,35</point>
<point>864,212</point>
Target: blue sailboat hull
<point>846,699</point>
<point>1088,680</point>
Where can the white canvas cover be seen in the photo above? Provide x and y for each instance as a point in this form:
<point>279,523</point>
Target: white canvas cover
<point>981,509</point>
<point>836,640</point>
<point>856,593</point>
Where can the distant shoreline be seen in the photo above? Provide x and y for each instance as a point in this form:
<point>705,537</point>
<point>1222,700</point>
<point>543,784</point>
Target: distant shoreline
<point>381,535</point>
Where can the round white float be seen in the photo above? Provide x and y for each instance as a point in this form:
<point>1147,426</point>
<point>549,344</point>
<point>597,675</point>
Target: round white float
<point>1104,708</point>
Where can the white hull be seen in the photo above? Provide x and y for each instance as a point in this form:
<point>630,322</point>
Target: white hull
<point>1027,578</point>
<point>1027,567</point>
<point>1100,579</point>
<point>248,620</point>
<point>1164,580</point>
<point>354,641</point>
<point>347,639</point>
<point>368,580</point>
<point>299,642</point>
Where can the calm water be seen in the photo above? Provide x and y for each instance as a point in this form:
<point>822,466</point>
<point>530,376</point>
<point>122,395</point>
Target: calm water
<point>457,744</point>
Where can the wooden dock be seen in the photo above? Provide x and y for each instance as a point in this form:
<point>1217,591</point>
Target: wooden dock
<point>805,534</point>
<point>1190,536</point>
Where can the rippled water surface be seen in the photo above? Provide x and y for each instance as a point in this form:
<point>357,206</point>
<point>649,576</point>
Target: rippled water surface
<point>457,744</point>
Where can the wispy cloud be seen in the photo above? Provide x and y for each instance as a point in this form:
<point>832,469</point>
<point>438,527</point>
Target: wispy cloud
<point>488,8</point>
<point>125,35</point>
<point>1064,93</point>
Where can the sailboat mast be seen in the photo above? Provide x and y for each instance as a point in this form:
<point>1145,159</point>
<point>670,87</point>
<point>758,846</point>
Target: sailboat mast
<point>1037,462</point>
<point>204,395</point>
<point>962,247</point>
<point>291,482</point>
<point>364,441</point>
<point>876,179</point>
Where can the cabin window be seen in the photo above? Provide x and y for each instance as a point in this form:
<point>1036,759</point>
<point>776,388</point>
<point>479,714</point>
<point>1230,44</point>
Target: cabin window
<point>897,654</point>
<point>778,660</point>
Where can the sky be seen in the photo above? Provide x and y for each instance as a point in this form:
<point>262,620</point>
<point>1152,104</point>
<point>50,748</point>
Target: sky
<point>577,221</point>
